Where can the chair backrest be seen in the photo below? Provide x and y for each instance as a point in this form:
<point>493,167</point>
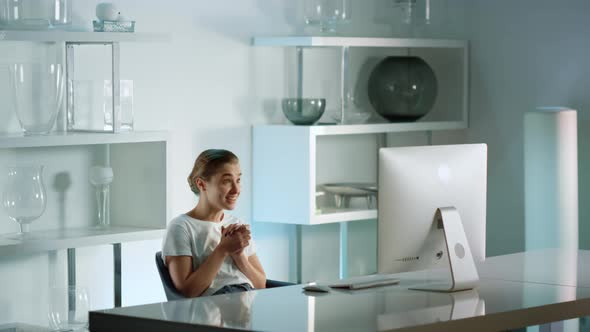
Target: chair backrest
<point>171,292</point>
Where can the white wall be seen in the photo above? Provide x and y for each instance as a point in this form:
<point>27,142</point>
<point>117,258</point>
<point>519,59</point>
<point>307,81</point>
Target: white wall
<point>208,86</point>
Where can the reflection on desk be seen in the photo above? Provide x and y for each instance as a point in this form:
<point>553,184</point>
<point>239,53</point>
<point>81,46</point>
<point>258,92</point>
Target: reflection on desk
<point>459,305</point>
<point>234,313</point>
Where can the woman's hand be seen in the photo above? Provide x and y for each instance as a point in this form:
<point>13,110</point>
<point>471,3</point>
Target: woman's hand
<point>234,239</point>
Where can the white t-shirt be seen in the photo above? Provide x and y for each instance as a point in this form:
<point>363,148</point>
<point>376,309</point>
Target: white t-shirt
<point>188,236</point>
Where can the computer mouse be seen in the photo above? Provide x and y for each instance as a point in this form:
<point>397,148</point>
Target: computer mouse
<point>316,288</point>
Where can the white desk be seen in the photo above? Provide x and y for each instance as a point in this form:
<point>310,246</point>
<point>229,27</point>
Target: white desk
<point>498,304</point>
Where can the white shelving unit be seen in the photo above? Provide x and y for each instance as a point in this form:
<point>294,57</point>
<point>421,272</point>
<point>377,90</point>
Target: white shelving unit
<point>285,154</point>
<point>138,198</point>
<point>289,149</point>
<point>286,158</point>
<point>138,201</point>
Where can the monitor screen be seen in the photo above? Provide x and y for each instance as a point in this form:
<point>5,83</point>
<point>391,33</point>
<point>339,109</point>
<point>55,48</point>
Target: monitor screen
<point>413,183</point>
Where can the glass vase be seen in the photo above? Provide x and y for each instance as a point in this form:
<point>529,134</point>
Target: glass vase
<point>37,91</point>
<point>68,308</point>
<point>24,198</point>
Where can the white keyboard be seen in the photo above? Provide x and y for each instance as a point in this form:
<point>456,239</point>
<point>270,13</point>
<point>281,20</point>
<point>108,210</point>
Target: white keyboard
<point>366,282</point>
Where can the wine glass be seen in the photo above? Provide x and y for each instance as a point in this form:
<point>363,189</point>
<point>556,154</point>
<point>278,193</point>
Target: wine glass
<point>24,198</point>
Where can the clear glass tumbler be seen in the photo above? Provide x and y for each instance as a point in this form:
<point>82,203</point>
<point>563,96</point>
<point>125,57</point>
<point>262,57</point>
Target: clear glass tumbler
<point>327,14</point>
<point>24,198</point>
<point>37,91</point>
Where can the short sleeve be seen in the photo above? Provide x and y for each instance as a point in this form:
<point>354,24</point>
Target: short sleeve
<point>177,241</point>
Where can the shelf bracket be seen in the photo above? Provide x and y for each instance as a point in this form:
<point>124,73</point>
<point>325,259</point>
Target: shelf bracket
<point>344,84</point>
<point>343,266</point>
<point>71,282</point>
<point>117,274</point>
<point>299,253</point>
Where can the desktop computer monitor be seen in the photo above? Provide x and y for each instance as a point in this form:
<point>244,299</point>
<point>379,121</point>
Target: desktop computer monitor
<point>416,181</point>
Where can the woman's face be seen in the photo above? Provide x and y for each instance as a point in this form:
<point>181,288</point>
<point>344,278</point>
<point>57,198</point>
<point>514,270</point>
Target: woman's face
<point>223,188</point>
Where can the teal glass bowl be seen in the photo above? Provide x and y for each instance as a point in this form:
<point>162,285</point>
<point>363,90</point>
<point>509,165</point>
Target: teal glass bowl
<point>304,111</point>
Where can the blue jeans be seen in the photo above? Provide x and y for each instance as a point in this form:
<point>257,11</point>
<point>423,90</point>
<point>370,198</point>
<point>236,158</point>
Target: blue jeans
<point>236,288</point>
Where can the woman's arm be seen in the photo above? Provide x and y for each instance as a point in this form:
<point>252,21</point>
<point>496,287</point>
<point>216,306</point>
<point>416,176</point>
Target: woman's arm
<point>252,268</point>
<point>192,284</point>
<point>195,283</point>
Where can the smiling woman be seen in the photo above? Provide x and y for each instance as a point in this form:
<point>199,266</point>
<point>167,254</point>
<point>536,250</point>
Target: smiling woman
<point>207,251</point>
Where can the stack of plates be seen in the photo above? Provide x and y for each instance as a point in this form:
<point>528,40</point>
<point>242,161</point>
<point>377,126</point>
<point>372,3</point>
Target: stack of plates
<point>344,191</point>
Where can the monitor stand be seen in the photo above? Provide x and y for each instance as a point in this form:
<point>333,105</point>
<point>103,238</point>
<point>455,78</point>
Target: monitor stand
<point>463,271</point>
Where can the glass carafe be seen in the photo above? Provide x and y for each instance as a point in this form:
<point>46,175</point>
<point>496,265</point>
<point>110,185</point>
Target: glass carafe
<point>24,198</point>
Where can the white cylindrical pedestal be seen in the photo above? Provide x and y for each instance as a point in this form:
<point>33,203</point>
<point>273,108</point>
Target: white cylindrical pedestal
<point>551,178</point>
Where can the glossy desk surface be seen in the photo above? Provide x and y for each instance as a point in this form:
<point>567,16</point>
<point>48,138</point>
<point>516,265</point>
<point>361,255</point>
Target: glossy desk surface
<point>548,266</point>
<point>499,303</point>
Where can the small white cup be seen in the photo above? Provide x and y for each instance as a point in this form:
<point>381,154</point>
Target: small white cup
<point>107,11</point>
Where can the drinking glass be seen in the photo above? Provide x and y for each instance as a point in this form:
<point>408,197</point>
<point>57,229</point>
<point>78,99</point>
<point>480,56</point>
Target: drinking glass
<point>101,178</point>
<point>68,308</point>
<point>24,198</point>
<point>327,14</point>
<point>37,91</point>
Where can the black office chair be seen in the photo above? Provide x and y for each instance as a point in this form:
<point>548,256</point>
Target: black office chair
<point>173,294</point>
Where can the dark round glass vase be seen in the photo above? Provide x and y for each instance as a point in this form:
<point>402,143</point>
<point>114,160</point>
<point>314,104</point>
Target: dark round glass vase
<point>402,88</point>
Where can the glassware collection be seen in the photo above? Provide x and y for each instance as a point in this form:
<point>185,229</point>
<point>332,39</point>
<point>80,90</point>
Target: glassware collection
<point>400,89</point>
<point>35,94</point>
